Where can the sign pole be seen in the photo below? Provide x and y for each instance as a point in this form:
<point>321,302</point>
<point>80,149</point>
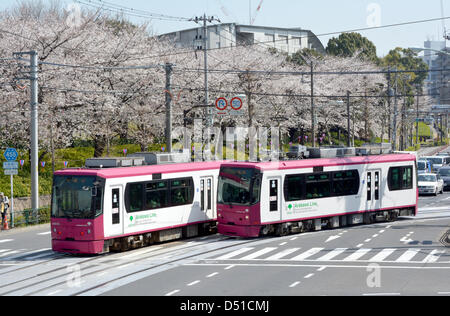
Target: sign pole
<point>12,202</point>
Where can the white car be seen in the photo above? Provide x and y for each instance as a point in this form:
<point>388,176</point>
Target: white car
<point>430,183</point>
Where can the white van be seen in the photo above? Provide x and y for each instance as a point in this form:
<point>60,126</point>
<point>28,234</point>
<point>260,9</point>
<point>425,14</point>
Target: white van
<point>438,162</point>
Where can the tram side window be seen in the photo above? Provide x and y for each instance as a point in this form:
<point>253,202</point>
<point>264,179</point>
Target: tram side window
<point>135,197</point>
<point>156,195</point>
<point>345,183</point>
<point>293,188</point>
<point>317,186</point>
<point>181,192</point>
<point>400,178</point>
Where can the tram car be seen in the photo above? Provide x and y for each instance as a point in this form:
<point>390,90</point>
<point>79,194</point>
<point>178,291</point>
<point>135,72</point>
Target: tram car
<point>258,199</point>
<point>96,210</point>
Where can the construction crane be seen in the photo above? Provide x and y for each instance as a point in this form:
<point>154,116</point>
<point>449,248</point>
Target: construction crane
<point>446,36</point>
<point>255,15</point>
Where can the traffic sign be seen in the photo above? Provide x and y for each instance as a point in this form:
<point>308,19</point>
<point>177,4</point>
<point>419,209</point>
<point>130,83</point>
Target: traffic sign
<point>11,172</point>
<point>221,106</point>
<point>11,154</point>
<point>11,165</point>
<point>236,104</point>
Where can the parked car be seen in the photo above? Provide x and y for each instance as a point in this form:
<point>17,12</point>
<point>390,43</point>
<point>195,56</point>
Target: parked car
<point>297,152</point>
<point>430,183</point>
<point>444,173</point>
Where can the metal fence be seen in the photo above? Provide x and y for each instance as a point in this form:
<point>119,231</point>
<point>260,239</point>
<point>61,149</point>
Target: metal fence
<point>30,217</point>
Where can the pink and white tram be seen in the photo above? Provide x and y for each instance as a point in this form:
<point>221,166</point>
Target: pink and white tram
<point>256,199</point>
<point>97,210</point>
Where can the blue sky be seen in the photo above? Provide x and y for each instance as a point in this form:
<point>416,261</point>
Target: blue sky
<point>320,16</point>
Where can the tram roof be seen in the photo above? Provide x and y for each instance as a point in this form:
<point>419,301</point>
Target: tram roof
<point>109,173</point>
<point>324,162</point>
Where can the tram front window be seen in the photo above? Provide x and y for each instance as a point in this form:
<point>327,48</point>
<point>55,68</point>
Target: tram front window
<point>238,186</point>
<point>76,197</point>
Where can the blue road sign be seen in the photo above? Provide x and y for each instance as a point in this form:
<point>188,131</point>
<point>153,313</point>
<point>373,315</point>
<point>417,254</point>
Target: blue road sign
<point>11,154</point>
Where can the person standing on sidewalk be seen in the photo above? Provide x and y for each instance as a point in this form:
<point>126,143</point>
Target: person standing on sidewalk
<point>4,205</point>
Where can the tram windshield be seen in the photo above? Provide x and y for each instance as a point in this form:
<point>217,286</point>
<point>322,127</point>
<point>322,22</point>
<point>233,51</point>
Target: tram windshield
<point>76,197</point>
<point>239,186</point>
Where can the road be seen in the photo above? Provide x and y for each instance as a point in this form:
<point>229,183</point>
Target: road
<point>400,258</point>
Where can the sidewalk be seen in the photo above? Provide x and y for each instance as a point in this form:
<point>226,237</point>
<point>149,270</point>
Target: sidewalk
<point>431,151</point>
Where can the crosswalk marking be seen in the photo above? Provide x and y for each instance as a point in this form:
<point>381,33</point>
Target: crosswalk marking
<point>408,255</point>
<point>383,254</point>
<point>234,253</point>
<point>357,254</point>
<point>412,255</point>
<point>258,253</point>
<point>433,256</point>
<point>282,254</point>
<point>307,254</point>
<point>332,254</point>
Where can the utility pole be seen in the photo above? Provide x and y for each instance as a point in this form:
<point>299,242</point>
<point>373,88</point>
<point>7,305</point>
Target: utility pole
<point>313,115</point>
<point>169,68</point>
<point>348,119</point>
<point>205,19</point>
<point>394,132</point>
<point>417,115</point>
<point>34,143</point>
<point>389,106</point>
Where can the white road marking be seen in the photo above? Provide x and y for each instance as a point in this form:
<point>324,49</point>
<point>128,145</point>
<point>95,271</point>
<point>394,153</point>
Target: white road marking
<point>307,254</point>
<point>230,267</point>
<point>138,253</point>
<point>234,253</point>
<point>172,293</point>
<point>54,292</point>
<point>194,283</point>
<point>357,254</point>
<point>433,256</point>
<point>212,275</point>
<point>360,245</point>
<point>321,269</point>
<point>282,254</point>
<point>331,238</point>
<point>332,254</point>
<point>46,233</point>
<point>294,284</point>
<point>309,275</point>
<point>381,294</point>
<point>6,240</point>
<point>383,254</point>
<point>408,255</point>
<point>258,253</point>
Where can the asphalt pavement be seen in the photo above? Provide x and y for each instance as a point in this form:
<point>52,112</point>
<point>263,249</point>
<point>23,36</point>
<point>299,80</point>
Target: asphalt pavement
<point>407,257</point>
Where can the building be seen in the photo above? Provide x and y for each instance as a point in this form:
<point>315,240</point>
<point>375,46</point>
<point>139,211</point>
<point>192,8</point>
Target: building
<point>442,79</point>
<point>434,61</point>
<point>288,40</point>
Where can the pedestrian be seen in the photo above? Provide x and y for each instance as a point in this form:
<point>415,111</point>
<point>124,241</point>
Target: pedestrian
<point>4,205</point>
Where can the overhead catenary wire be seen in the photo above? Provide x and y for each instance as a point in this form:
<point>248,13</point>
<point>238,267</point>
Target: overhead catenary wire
<point>115,8</point>
<point>191,50</point>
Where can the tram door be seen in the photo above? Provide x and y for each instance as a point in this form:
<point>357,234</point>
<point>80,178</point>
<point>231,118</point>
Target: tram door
<point>274,198</point>
<point>374,190</point>
<point>116,211</point>
<point>207,197</point>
